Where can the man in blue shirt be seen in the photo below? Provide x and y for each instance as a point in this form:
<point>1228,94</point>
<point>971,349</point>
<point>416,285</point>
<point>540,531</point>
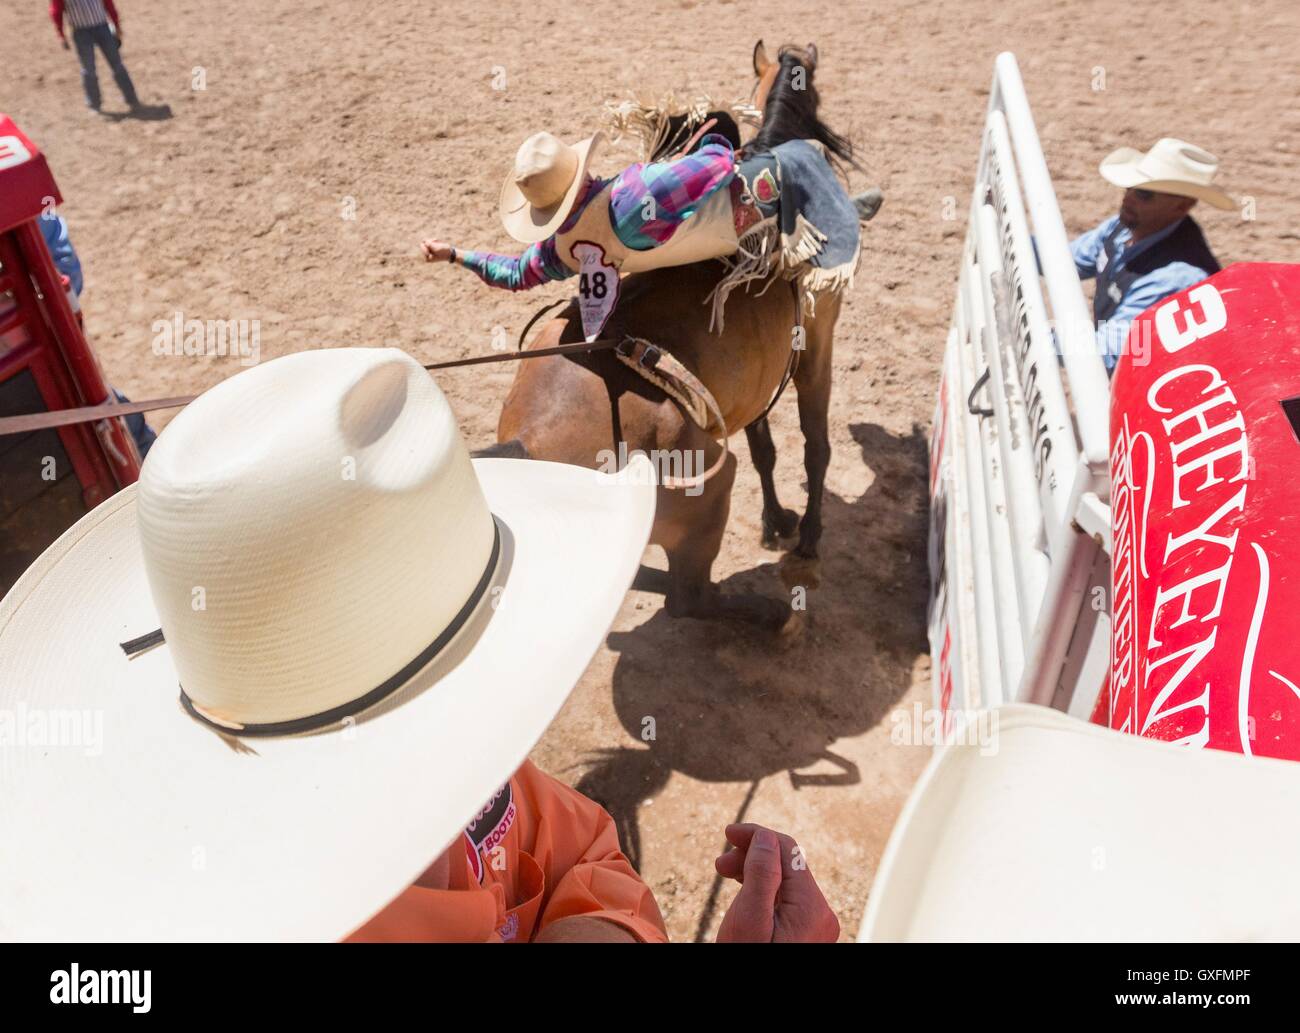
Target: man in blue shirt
<point>54,228</point>
<point>1153,248</point>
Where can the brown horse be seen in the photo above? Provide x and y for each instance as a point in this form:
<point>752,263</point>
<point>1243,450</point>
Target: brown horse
<point>580,408</point>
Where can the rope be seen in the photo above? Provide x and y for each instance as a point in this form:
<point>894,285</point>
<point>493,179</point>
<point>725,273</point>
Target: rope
<point>639,354</point>
<point>30,422</point>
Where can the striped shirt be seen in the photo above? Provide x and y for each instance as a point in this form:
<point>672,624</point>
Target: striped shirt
<point>646,204</point>
<point>82,14</point>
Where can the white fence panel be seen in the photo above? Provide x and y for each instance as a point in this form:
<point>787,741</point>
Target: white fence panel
<point>1019,493</point>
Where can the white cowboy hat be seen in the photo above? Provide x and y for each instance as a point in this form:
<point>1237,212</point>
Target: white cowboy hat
<point>388,625</point>
<point>1170,167</point>
<point>540,191</point>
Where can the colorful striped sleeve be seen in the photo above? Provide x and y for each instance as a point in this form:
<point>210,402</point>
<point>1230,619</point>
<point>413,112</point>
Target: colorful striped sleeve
<point>649,201</point>
<point>539,264</point>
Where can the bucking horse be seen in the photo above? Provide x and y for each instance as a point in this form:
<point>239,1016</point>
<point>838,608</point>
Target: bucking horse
<point>576,408</point>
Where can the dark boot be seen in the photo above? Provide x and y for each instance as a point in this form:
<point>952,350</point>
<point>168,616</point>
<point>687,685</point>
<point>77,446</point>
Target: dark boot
<point>868,203</point>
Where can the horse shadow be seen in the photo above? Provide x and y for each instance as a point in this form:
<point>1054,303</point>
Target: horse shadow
<point>736,706</point>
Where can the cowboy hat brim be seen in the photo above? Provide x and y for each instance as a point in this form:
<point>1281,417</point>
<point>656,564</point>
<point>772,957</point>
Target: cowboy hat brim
<point>1120,167</point>
<point>528,224</point>
<point>156,827</point>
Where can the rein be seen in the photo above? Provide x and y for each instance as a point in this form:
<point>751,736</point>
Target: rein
<point>791,367</point>
<point>638,354</point>
<point>548,307</point>
<point>30,422</point>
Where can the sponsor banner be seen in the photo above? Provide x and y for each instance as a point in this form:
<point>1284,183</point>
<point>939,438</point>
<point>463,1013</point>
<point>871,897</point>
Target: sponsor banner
<point>1205,503</point>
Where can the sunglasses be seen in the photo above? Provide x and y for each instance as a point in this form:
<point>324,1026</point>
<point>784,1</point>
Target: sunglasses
<point>1143,195</point>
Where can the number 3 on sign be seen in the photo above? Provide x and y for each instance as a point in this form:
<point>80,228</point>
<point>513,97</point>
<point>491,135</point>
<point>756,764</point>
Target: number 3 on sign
<point>597,287</point>
<point>1213,318</point>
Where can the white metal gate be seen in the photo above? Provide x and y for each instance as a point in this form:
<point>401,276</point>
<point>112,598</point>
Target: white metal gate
<point>1019,483</point>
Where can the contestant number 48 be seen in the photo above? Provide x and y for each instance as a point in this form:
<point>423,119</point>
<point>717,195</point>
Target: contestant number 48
<point>593,285</point>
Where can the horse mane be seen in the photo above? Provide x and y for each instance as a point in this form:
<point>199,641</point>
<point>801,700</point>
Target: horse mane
<point>791,112</point>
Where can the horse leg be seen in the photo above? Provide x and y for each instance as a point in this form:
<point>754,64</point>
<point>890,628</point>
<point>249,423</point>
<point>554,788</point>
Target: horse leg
<point>813,382</point>
<point>777,522</point>
<point>690,529</point>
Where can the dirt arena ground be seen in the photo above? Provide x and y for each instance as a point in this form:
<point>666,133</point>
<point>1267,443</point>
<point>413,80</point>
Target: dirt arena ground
<point>239,205</point>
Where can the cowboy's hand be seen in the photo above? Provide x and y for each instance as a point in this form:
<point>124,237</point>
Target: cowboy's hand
<point>435,250</point>
<point>779,900</point>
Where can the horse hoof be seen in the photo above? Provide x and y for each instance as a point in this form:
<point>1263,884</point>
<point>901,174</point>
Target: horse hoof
<point>785,525</point>
<point>801,571</point>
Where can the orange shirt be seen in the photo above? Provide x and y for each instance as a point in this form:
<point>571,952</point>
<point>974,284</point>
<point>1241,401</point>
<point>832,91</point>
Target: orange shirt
<point>537,852</point>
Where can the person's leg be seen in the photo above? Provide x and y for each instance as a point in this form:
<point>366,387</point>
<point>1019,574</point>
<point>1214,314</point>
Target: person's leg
<point>868,203</point>
<point>108,44</point>
<point>84,41</point>
<point>758,175</point>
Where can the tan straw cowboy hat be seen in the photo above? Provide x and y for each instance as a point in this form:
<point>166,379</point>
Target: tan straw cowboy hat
<point>364,632</point>
<point>1170,167</point>
<point>540,191</point>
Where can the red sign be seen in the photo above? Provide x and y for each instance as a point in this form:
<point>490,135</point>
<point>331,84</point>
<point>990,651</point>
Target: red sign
<point>1205,517</point>
<point>26,185</point>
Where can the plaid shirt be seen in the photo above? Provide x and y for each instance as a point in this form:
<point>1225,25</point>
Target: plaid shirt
<point>677,189</point>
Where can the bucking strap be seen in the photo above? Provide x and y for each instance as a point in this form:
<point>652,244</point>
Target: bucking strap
<point>666,372</point>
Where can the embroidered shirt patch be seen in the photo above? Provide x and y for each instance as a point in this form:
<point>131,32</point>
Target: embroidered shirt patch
<point>489,827</point>
<point>764,188</point>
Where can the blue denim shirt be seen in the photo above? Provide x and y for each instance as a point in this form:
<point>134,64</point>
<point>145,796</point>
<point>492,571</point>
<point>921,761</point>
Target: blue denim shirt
<point>55,231</point>
<point>1142,293</point>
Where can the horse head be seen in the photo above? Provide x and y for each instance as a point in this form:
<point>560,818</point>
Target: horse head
<point>788,59</point>
<point>785,93</point>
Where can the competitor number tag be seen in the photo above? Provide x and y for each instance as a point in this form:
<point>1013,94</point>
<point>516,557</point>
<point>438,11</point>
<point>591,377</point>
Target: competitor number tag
<point>597,287</point>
